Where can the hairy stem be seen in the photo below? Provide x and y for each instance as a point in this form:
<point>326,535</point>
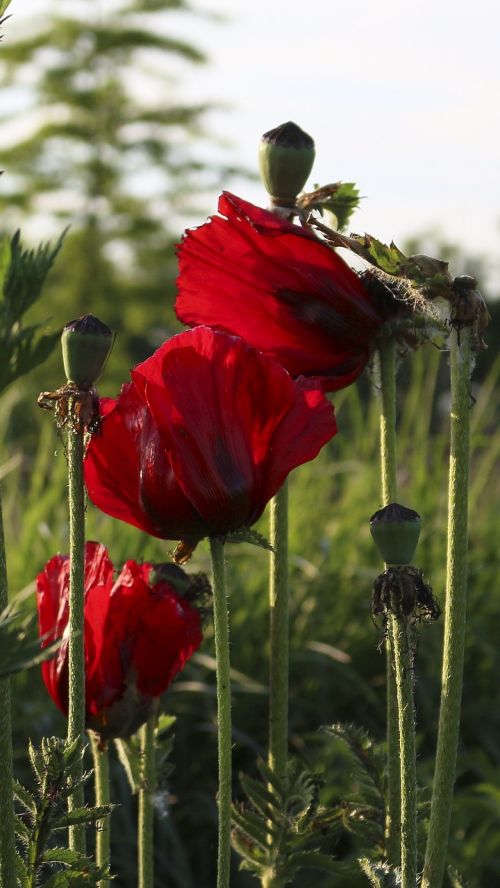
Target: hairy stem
<point>7,841</point>
<point>100,756</point>
<point>455,611</point>
<point>145,837</point>
<point>403,661</point>
<point>388,466</point>
<point>221,627</point>
<point>278,603</point>
<point>76,656</point>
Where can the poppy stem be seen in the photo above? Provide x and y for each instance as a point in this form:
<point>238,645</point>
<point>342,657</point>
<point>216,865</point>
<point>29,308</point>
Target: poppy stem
<point>100,756</point>
<point>7,841</point>
<point>455,613</point>
<point>400,635</point>
<point>76,654</point>
<point>221,628</point>
<point>146,807</point>
<point>388,464</point>
<point>279,655</point>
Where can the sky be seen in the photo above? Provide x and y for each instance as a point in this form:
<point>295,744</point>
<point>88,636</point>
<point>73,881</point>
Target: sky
<point>401,98</point>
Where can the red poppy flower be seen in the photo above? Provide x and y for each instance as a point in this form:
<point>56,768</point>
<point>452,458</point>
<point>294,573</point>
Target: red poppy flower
<point>138,635</point>
<point>203,437</point>
<point>287,293</point>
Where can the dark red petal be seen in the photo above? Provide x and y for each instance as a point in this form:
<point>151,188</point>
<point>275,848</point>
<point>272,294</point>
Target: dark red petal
<point>279,287</point>
<point>218,404</point>
<point>128,475</point>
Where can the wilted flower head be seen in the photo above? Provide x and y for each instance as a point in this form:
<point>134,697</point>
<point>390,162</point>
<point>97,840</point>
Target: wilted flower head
<point>139,633</point>
<point>251,273</point>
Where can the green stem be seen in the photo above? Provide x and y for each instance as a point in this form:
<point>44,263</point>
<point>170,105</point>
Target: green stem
<point>388,466</point>
<point>76,658</point>
<point>401,640</point>
<point>221,628</point>
<point>146,807</point>
<point>100,755</point>
<point>7,840</point>
<point>455,610</point>
<point>278,603</point>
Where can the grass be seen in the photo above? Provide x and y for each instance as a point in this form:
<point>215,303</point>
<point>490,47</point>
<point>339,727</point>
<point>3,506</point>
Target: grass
<point>337,672</point>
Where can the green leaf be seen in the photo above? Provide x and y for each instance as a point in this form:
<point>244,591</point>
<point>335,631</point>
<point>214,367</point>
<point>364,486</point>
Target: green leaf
<point>25,797</point>
<point>19,644</point>
<point>253,826</point>
<point>129,755</point>
<point>66,856</point>
<point>82,815</point>
<point>381,875</point>
<point>313,860</point>
<point>264,801</point>
<point>342,203</point>
<point>248,535</point>
<point>22,871</point>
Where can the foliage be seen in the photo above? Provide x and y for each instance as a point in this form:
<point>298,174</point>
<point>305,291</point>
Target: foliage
<point>278,829</point>
<point>20,643</point>
<point>22,276</point>
<point>44,812</point>
<point>130,756</point>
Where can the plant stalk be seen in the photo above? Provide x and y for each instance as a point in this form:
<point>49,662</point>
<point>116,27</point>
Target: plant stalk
<point>388,466</point>
<point>100,756</point>
<point>146,808</point>
<point>7,839</point>
<point>401,639</point>
<point>455,612</point>
<point>279,656</point>
<point>76,654</point>
<point>221,627</point>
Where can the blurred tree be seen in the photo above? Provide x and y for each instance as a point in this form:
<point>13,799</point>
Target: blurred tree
<point>107,148</point>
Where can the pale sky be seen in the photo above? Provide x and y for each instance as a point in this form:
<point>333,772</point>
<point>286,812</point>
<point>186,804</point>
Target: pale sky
<point>400,98</point>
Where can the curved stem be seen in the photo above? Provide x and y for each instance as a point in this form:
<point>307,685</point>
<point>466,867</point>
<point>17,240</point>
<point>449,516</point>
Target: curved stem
<point>388,466</point>
<point>76,656</point>
<point>221,627</point>
<point>100,755</point>
<point>455,610</point>
<point>278,603</point>
<point>146,808</point>
<point>403,661</point>
<point>7,840</point>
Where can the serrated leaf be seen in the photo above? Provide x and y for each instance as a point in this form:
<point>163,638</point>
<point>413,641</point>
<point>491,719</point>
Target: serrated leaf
<point>263,800</point>
<point>129,756</point>
<point>253,826</point>
<point>82,815</point>
<point>248,535</point>
<point>312,860</point>
<point>66,856</point>
<point>22,830</point>
<point>22,871</point>
<point>342,203</point>
<point>25,797</point>
<point>381,875</point>
<point>88,875</point>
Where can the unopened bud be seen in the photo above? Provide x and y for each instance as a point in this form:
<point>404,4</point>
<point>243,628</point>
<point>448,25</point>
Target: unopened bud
<point>395,531</point>
<point>286,157</point>
<point>86,343</point>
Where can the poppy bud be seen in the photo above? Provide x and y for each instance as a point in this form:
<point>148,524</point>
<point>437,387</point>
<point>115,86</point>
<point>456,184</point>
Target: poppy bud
<point>395,531</point>
<point>286,156</point>
<point>86,343</point>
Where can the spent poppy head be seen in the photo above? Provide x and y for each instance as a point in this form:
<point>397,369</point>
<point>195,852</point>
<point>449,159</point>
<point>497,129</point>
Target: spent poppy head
<point>249,272</point>
<point>139,633</point>
<point>203,437</point>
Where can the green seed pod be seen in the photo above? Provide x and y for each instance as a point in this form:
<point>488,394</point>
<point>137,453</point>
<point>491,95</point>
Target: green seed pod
<point>286,156</point>
<point>395,531</point>
<point>86,343</point>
